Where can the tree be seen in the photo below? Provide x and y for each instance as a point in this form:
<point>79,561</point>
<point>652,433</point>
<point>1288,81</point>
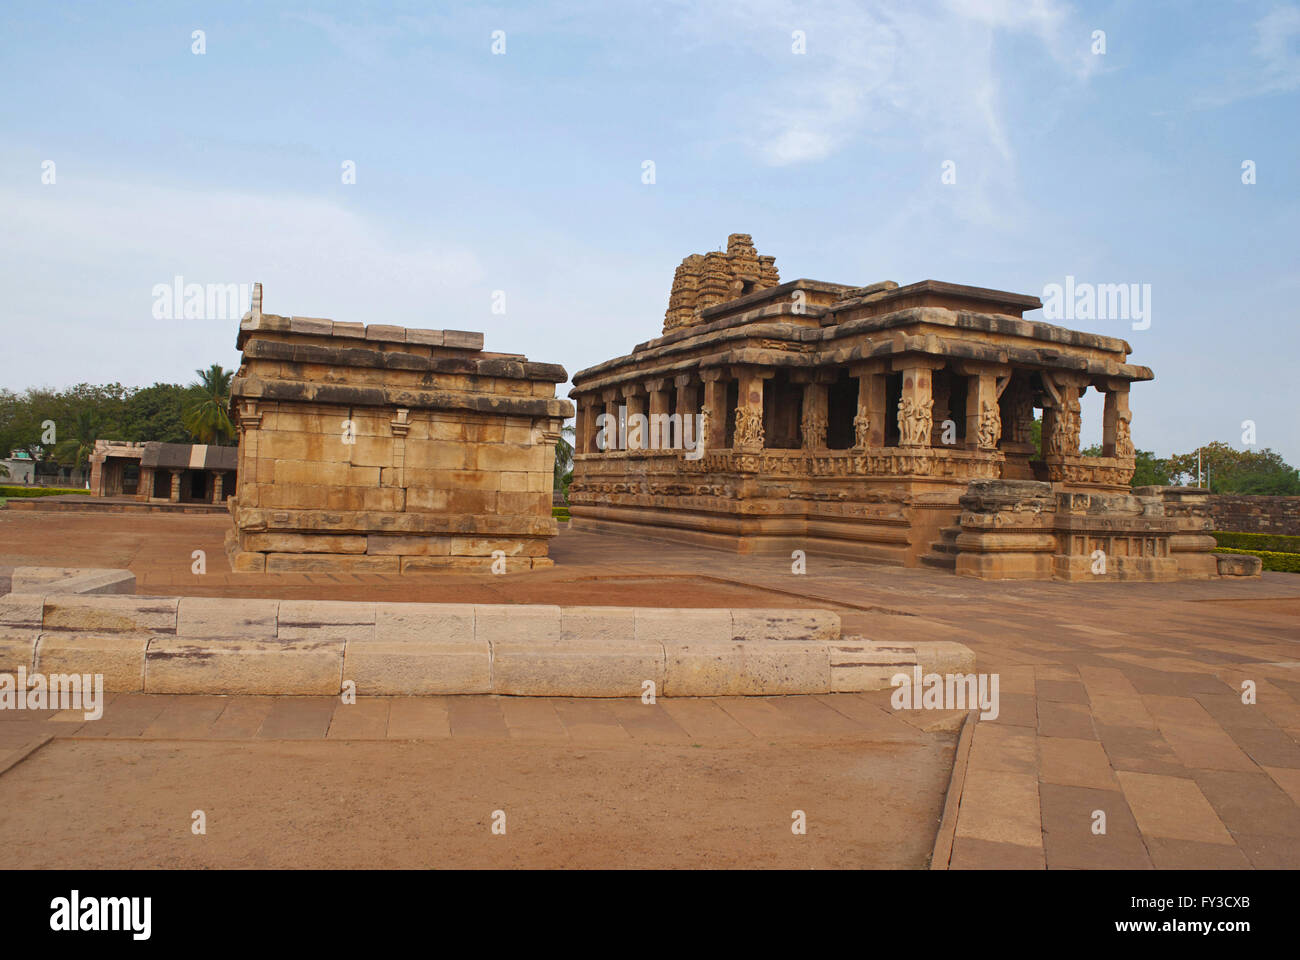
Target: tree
<point>207,417</point>
<point>564,461</point>
<point>1237,471</point>
<point>155,413</point>
<point>1150,471</point>
<point>73,451</point>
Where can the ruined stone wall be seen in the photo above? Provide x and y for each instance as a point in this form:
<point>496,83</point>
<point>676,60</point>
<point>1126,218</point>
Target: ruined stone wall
<point>1238,513</point>
<point>386,450</point>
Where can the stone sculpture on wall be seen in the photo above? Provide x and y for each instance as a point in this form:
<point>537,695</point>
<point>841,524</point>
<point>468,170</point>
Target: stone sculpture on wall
<point>862,429</point>
<point>990,426</point>
<point>914,422</point>
<point>1063,437</point>
<point>749,428</point>
<point>1123,436</point>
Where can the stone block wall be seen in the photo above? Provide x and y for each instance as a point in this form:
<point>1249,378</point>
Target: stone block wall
<point>386,450</point>
<point>1251,514</point>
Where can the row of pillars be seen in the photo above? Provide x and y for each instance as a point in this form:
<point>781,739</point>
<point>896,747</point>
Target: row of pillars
<point>916,413</point>
<point>218,485</point>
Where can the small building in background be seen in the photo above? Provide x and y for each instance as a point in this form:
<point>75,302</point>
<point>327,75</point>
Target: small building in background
<point>163,472</point>
<point>20,467</point>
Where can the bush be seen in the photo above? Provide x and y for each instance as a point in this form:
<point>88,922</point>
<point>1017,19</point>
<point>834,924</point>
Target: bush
<point>1271,542</point>
<point>1281,562</point>
<point>39,491</point>
<point>560,513</point>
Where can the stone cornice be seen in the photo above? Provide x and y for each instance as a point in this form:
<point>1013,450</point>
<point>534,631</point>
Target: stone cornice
<point>359,356</point>
<point>298,391</point>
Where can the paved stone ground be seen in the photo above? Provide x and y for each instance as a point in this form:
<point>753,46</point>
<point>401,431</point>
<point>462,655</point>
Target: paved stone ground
<point>1123,698</point>
<point>412,783</point>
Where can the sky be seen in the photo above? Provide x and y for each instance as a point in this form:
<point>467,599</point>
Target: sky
<point>970,141</point>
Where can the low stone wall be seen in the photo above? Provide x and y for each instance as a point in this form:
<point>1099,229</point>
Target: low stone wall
<point>1248,514</point>
<point>203,645</point>
<point>276,647</point>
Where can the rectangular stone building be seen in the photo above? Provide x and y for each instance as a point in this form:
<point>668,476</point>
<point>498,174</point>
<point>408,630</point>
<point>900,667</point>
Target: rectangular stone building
<point>851,421</point>
<point>156,472</point>
<point>385,449</point>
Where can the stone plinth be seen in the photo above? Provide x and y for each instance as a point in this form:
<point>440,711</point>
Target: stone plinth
<point>1028,530</point>
<point>384,449</point>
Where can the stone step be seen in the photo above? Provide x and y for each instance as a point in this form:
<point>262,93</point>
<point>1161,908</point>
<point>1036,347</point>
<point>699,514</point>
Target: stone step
<point>943,552</point>
<point>944,561</point>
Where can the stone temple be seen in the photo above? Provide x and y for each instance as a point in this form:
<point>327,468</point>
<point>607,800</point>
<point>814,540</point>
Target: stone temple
<point>382,449</point>
<point>883,422</point>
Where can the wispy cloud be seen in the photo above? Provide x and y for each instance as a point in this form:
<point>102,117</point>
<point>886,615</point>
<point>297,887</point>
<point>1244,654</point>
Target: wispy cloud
<point>105,243</point>
<point>1256,62</point>
<point>1277,48</point>
<point>927,70</point>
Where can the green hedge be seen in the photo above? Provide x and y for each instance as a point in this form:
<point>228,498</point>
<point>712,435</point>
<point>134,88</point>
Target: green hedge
<point>1282,562</point>
<point>1271,542</point>
<point>39,491</point>
<point>560,513</point>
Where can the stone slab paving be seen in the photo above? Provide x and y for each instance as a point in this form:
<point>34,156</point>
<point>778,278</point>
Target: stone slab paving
<point>838,717</point>
<point>1114,697</point>
<point>1119,698</point>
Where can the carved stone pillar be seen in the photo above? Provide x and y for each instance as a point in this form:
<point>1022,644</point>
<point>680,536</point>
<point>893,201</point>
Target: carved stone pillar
<point>749,408</point>
<point>984,387</point>
<point>218,485</point>
<point>608,438</point>
<point>594,409</point>
<point>869,421</point>
<point>813,421</point>
<point>581,418</point>
<point>1061,415</point>
<point>1116,440</point>
<point>1019,424</point>
<point>715,407</point>
<point>915,406</point>
<point>941,391</point>
<point>659,438</point>
<point>634,398</point>
<point>176,486</point>
<point>687,409</point>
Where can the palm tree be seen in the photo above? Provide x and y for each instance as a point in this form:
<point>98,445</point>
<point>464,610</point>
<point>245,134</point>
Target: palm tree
<point>207,417</point>
<point>75,450</point>
<point>563,460</point>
